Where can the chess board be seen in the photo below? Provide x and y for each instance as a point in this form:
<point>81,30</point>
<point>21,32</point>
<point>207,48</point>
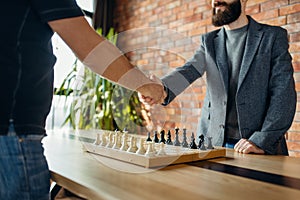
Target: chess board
<point>171,154</point>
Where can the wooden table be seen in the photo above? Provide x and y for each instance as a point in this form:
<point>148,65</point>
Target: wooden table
<point>236,176</point>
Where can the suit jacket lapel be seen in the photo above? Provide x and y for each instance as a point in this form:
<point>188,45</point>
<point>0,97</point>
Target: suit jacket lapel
<point>252,42</point>
<point>221,56</point>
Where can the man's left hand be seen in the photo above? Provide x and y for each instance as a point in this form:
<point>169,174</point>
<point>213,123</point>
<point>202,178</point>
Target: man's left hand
<point>246,146</point>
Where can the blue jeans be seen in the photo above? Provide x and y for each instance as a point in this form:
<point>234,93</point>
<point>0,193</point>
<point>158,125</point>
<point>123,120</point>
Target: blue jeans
<point>24,172</point>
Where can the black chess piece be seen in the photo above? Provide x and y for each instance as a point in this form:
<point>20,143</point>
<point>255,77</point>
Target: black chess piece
<point>162,137</point>
<point>156,140</point>
<point>169,138</point>
<point>193,144</point>
<point>148,137</point>
<point>184,141</point>
<point>201,142</point>
<point>176,141</point>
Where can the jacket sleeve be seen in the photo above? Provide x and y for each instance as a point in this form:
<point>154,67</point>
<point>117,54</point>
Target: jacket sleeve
<point>282,97</point>
<point>178,80</point>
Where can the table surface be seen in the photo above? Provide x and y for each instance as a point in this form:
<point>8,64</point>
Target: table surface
<point>236,176</point>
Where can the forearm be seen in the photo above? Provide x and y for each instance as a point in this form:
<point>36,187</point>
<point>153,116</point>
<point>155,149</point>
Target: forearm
<point>97,53</point>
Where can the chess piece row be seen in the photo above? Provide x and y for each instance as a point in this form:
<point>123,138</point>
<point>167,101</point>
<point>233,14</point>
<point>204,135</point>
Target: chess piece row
<point>184,143</point>
<point>118,140</point>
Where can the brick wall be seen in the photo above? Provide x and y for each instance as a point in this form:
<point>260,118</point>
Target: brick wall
<point>160,35</point>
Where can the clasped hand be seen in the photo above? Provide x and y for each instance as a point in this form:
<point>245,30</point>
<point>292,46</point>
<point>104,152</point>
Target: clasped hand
<point>152,93</point>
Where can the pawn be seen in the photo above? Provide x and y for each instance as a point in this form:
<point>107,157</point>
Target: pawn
<point>161,151</point>
<point>110,140</point>
<point>141,149</point>
<point>176,141</point>
<point>162,137</point>
<point>193,144</point>
<point>124,146</point>
<point>97,141</point>
<point>209,143</point>
<point>132,146</point>
<point>117,141</point>
<point>184,142</point>
<point>169,138</point>
<point>149,137</point>
<point>156,140</point>
<point>150,149</point>
<point>103,140</point>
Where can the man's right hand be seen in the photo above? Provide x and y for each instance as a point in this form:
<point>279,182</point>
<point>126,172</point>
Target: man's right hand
<point>152,93</point>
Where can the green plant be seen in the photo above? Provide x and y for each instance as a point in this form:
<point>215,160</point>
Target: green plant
<point>99,103</point>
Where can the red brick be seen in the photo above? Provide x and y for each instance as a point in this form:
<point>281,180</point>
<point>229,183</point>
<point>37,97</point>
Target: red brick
<point>274,4</point>
<point>161,3</point>
<point>296,57</point>
<point>202,9</point>
<point>142,62</point>
<point>294,47</point>
<point>172,4</point>
<point>198,31</point>
<point>176,63</point>
<point>185,14</point>
<point>289,9</point>
<point>292,146</point>
<point>254,2</point>
<point>295,126</point>
<point>296,66</point>
<point>278,21</point>
<point>294,1</point>
<point>293,18</point>
<point>297,76</point>
<point>294,37</point>
<point>250,10</point>
<point>294,154</point>
<point>292,28</point>
<point>269,14</point>
<point>297,85</point>
<point>198,4</point>
<point>294,137</point>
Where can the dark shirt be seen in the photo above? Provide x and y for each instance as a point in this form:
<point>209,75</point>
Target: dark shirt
<point>27,60</point>
<point>235,45</point>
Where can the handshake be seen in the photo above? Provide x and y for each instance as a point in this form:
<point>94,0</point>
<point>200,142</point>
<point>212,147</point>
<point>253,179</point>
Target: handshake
<point>152,92</point>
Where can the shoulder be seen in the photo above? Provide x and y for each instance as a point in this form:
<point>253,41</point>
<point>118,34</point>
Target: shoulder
<point>209,36</point>
<point>270,29</point>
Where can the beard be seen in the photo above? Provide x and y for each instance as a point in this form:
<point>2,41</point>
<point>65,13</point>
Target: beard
<point>231,13</point>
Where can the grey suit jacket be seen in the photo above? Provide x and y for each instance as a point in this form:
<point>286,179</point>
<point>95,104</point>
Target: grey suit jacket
<point>266,97</point>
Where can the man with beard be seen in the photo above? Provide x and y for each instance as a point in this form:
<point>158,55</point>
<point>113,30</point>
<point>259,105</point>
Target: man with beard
<point>250,99</point>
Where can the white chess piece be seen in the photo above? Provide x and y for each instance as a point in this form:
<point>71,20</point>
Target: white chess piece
<point>117,141</point>
<point>132,146</point>
<point>110,140</point>
<point>161,151</point>
<point>141,149</point>
<point>150,149</point>
<point>124,146</point>
<point>103,140</point>
<point>97,141</point>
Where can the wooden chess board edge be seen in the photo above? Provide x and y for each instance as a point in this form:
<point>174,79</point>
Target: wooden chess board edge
<point>157,161</point>
<point>185,158</point>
